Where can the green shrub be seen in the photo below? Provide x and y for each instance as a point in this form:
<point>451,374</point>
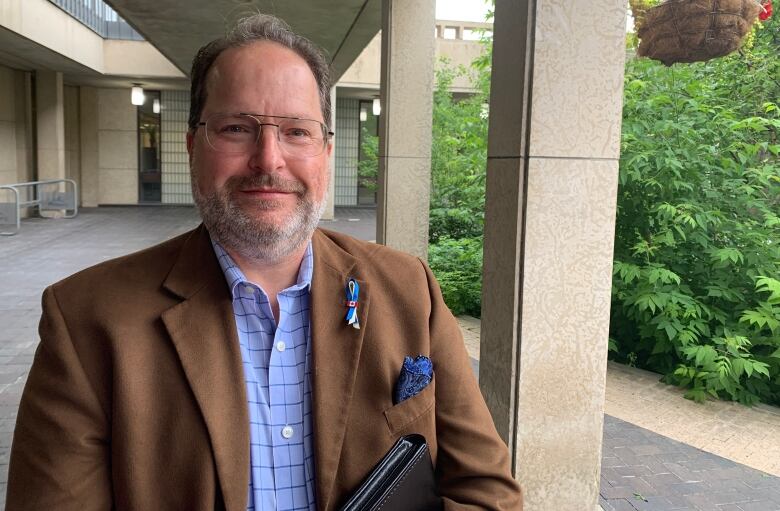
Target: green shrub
<point>457,264</point>
<point>696,288</point>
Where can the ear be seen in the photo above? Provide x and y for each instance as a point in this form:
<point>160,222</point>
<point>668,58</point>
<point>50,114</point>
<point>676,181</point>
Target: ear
<point>190,143</point>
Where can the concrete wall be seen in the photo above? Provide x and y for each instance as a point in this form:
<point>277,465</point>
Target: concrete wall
<point>136,58</point>
<point>117,147</point>
<point>8,171</point>
<point>44,24</point>
<point>15,129</point>
<point>72,134</point>
<point>364,72</point>
<point>89,185</point>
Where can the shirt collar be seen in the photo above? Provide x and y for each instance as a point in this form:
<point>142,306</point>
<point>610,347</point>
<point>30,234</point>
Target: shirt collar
<point>234,276</point>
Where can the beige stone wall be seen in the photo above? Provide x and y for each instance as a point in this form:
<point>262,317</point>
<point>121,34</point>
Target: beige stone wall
<point>136,58</point>
<point>25,170</point>
<point>8,126</point>
<point>88,146</point>
<point>47,25</point>
<point>15,128</point>
<point>365,71</point>
<point>72,134</point>
<point>117,147</point>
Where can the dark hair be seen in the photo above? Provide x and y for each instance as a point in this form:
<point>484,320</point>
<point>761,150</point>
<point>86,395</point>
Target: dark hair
<point>259,27</point>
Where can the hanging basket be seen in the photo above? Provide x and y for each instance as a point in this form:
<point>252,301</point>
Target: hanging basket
<point>695,30</point>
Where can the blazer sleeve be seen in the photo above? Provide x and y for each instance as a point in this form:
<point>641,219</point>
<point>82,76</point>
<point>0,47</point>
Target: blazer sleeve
<point>60,454</point>
<point>472,467</point>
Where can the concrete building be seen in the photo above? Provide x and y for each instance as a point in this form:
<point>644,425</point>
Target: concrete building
<point>67,66</point>
<point>71,65</point>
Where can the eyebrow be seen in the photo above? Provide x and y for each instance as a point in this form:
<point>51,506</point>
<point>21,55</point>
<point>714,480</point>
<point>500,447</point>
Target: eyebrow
<point>299,117</point>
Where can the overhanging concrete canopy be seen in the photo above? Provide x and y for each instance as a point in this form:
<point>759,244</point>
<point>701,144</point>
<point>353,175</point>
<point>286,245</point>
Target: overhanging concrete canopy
<point>178,29</point>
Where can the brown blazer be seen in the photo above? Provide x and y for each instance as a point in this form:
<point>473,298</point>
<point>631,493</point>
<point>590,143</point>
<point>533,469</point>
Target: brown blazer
<point>136,398</point>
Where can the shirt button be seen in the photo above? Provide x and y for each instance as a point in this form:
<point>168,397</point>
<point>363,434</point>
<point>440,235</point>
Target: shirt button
<point>287,432</point>
<point>249,290</point>
<point>280,345</point>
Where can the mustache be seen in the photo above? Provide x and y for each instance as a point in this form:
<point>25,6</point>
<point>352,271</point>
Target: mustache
<point>272,181</point>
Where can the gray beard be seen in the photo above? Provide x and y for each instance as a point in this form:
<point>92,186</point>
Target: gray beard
<point>253,238</point>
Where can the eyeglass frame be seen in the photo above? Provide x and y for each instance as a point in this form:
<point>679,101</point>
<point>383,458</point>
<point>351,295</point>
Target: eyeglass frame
<point>326,134</point>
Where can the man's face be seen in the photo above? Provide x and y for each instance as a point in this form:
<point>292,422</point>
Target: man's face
<point>265,202</point>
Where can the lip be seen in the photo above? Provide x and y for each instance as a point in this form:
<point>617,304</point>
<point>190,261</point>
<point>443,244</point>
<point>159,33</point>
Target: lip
<point>265,193</point>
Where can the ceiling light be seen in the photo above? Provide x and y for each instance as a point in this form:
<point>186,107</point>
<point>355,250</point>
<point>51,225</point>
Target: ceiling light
<point>137,95</point>
<point>363,115</point>
<point>156,106</point>
<point>376,107</point>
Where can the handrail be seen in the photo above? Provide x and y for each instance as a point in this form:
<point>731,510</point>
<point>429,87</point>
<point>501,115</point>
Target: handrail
<point>39,200</point>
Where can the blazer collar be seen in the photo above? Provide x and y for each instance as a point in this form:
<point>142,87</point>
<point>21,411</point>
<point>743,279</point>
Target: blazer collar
<point>335,356</point>
<point>203,331</point>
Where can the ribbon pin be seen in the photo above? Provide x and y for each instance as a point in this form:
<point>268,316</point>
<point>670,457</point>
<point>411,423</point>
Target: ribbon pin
<point>353,290</point>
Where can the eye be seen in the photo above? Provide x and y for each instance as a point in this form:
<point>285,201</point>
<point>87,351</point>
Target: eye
<point>234,128</point>
<point>297,132</point>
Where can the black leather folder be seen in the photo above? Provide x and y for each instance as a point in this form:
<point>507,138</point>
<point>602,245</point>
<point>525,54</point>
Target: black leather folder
<point>402,481</point>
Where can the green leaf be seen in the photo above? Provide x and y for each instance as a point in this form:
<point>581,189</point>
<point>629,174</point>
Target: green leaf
<point>761,368</point>
<point>737,367</point>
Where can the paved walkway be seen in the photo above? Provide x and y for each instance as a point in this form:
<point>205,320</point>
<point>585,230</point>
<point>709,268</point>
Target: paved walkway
<point>663,452</point>
<point>645,465</point>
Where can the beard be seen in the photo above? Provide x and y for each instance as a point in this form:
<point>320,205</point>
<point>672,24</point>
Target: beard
<point>249,229</point>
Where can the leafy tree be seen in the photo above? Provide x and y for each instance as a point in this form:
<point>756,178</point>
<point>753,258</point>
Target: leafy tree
<point>696,289</point>
<point>458,166</point>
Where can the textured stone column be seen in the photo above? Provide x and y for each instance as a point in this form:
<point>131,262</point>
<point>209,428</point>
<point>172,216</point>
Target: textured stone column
<point>554,144</point>
<point>330,209</point>
<point>90,176</point>
<point>50,125</point>
<point>406,93</point>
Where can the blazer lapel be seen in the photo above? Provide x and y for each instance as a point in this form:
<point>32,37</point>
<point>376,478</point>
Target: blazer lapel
<point>203,331</point>
<point>335,357</point>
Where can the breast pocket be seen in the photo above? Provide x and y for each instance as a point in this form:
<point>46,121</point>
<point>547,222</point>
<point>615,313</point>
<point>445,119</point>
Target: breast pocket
<point>409,411</point>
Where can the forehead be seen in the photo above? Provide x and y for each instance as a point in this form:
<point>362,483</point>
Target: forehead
<point>264,71</point>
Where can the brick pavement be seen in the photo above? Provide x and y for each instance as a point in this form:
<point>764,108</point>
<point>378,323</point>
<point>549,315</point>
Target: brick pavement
<point>644,470</point>
<point>48,250</point>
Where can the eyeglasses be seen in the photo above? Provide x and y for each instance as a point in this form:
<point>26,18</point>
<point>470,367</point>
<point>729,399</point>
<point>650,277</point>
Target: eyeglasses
<point>239,133</point>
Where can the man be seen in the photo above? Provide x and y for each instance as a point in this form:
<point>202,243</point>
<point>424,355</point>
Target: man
<point>217,370</point>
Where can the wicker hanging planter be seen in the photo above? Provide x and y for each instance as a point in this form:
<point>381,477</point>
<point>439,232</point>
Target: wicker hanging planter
<point>695,30</point>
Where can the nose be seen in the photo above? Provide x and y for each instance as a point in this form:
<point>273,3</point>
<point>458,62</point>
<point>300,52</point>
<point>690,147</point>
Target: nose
<point>267,155</point>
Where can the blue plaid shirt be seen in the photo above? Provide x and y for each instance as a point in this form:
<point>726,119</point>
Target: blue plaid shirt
<point>277,365</point>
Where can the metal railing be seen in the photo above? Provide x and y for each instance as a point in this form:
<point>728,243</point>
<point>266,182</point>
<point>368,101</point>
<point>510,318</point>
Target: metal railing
<point>45,195</point>
<point>100,17</point>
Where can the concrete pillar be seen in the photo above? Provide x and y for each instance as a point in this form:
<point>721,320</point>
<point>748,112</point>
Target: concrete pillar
<point>50,124</point>
<point>554,144</point>
<point>88,138</point>
<point>406,94</point>
<point>8,132</point>
<point>24,127</point>
<point>330,209</point>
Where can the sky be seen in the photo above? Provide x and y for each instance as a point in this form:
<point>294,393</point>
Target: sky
<point>461,10</point>
<point>475,10</point>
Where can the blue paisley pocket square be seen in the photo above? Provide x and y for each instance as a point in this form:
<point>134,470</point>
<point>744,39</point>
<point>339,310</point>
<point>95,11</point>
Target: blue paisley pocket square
<point>416,374</point>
